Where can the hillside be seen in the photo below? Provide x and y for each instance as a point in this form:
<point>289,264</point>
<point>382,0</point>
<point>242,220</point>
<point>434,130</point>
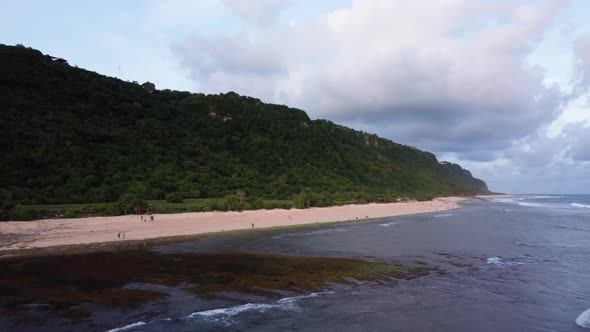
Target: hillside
<point>74,136</point>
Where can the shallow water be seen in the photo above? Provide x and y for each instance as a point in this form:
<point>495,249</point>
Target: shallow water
<point>505,264</point>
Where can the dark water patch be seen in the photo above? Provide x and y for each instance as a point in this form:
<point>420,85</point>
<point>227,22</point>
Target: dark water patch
<point>63,286</point>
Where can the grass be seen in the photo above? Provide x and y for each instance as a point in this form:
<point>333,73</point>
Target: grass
<point>42,211</point>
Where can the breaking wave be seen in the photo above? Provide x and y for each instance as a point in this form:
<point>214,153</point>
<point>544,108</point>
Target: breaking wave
<point>584,319</point>
<point>127,327</point>
<point>495,260</point>
<point>223,315</point>
<point>544,197</point>
<point>533,204</point>
<point>510,262</point>
<point>580,205</point>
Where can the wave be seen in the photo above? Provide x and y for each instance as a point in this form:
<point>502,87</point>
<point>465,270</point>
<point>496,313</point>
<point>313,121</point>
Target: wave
<point>498,261</point>
<point>495,260</point>
<point>528,204</point>
<point>543,197</point>
<point>505,200</point>
<point>584,319</point>
<point>223,315</point>
<point>127,327</point>
<point>580,205</point>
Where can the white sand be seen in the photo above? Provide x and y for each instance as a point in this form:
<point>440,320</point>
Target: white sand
<point>59,232</point>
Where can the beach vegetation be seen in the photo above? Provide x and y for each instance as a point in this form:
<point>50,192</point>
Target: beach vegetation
<point>301,200</point>
<point>173,198</point>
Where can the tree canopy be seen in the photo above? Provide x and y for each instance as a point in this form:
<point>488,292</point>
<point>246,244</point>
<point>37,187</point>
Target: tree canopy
<point>70,135</point>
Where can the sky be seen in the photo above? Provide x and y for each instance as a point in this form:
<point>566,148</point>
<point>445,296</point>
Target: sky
<point>498,86</point>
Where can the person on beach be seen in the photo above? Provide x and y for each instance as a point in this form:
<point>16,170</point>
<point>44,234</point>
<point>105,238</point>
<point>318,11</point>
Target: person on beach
<point>151,218</point>
<point>252,225</point>
<point>142,217</point>
<point>119,236</point>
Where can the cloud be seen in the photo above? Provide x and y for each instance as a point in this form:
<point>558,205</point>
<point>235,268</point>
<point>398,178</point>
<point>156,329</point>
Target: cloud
<point>582,52</point>
<point>449,76</point>
<point>579,136</point>
<point>258,12</point>
<point>378,63</point>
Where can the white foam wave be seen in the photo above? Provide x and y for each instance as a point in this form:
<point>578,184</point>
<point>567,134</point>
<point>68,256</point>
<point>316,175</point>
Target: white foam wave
<point>580,205</point>
<point>584,319</point>
<point>384,225</point>
<point>495,260</point>
<point>543,197</point>
<point>127,327</point>
<point>511,262</point>
<point>540,205</point>
<point>223,315</point>
<point>504,200</point>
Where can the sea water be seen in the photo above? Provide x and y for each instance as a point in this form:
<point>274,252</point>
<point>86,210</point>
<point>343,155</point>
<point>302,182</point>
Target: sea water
<point>518,263</point>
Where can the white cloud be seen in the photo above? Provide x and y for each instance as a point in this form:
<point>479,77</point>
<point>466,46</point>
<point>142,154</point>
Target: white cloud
<point>258,12</point>
<point>450,76</point>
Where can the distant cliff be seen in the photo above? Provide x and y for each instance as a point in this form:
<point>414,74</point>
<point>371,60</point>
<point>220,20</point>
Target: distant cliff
<point>70,135</point>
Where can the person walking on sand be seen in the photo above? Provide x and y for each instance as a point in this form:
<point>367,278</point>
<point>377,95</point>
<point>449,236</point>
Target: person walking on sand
<point>151,218</point>
<point>119,236</point>
<point>252,225</point>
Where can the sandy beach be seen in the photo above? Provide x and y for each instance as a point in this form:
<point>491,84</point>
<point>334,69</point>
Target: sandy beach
<point>23,235</point>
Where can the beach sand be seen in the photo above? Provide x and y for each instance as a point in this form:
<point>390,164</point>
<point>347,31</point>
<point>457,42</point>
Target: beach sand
<point>19,236</point>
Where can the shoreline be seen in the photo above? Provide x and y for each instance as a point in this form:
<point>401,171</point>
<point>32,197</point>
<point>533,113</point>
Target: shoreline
<point>98,234</point>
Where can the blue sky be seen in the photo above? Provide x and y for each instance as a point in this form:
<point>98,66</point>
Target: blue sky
<point>494,85</point>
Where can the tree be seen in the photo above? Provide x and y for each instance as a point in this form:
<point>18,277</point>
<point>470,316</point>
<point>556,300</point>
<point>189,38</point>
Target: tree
<point>132,204</point>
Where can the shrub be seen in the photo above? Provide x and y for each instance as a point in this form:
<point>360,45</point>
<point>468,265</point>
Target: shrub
<point>219,205</point>
<point>195,207</point>
<point>256,204</point>
<point>21,213</point>
<point>111,210</point>
<point>301,201</point>
<point>173,198</point>
<point>71,213</point>
<point>208,205</point>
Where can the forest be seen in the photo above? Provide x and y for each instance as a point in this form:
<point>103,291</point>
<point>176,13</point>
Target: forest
<point>73,136</point>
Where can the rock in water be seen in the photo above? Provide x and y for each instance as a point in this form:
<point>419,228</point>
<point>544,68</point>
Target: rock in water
<point>584,319</point>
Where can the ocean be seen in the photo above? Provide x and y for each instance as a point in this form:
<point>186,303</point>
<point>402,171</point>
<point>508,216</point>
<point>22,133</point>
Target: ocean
<point>517,263</point>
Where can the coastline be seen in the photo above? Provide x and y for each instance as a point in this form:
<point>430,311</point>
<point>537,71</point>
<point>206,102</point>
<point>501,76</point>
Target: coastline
<point>62,236</point>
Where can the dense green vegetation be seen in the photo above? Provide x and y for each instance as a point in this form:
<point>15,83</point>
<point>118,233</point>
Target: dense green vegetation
<point>73,136</point>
